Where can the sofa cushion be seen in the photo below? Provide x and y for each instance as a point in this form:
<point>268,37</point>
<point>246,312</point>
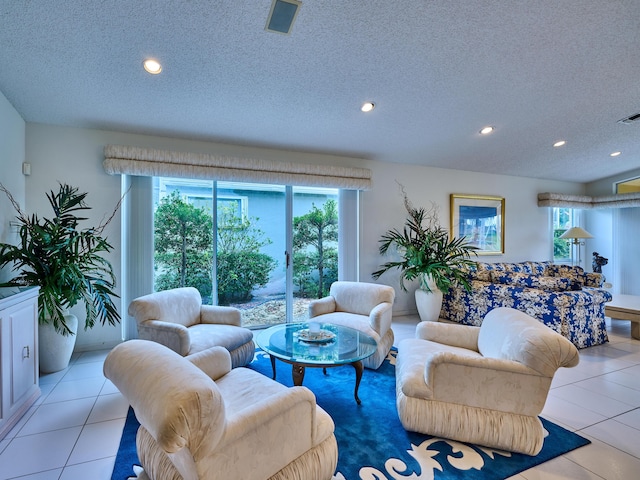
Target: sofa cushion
<point>574,272</point>
<point>517,267</point>
<point>479,274</point>
<point>568,271</point>
<point>204,336</point>
<point>541,282</point>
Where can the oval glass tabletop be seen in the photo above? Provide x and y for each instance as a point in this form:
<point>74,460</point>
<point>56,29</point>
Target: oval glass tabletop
<point>327,345</point>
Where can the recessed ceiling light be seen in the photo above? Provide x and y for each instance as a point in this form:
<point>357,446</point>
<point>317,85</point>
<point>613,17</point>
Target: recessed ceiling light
<point>487,130</point>
<point>560,143</point>
<point>614,154</point>
<point>368,106</point>
<point>152,66</point>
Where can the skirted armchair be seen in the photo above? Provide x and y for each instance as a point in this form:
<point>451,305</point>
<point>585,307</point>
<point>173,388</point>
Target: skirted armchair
<point>364,306</point>
<point>201,420</point>
<point>177,319</point>
<point>484,385</point>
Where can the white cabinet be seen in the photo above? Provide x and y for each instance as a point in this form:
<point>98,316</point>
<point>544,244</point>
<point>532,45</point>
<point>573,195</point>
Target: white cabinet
<point>19,376</point>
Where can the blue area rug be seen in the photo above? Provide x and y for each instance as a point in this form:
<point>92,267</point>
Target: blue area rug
<point>372,445</point>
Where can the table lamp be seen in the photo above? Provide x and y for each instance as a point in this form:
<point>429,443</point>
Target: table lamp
<point>576,234</point>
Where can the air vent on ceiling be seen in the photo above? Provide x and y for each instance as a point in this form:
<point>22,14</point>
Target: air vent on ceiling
<point>631,119</point>
<point>282,15</point>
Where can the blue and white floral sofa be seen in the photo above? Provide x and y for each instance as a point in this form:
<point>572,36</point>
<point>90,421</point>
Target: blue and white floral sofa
<point>563,297</point>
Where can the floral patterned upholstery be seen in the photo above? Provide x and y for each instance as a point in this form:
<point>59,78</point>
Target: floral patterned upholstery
<point>563,297</point>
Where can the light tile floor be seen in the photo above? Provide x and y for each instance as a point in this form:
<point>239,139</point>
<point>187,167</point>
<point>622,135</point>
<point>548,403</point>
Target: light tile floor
<point>73,430</point>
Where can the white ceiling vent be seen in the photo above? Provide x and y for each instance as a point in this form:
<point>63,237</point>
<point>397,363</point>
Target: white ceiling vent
<point>631,119</point>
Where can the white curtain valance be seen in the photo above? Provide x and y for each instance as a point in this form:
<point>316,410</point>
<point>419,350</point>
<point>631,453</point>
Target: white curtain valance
<point>622,200</point>
<point>153,163</point>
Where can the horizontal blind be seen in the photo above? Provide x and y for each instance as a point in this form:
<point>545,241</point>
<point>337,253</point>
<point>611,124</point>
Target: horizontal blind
<point>155,163</point>
<point>561,200</point>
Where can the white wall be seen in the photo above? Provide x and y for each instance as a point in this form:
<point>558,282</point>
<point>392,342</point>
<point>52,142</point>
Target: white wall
<point>12,146</point>
<point>616,232</point>
<point>75,156</point>
<point>599,223</point>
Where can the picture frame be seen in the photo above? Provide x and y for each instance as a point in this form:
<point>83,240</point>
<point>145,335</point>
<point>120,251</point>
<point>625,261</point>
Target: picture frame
<point>480,219</point>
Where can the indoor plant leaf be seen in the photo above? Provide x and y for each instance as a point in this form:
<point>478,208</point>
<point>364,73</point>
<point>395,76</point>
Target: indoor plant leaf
<point>426,251</point>
<point>65,261</point>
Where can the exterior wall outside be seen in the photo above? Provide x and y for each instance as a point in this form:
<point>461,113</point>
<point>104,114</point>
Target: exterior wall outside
<point>75,156</point>
<point>12,154</point>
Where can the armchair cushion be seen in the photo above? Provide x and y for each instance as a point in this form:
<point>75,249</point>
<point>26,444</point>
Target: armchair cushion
<point>214,362</point>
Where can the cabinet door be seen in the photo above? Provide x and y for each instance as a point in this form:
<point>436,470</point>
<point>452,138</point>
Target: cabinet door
<point>24,373</point>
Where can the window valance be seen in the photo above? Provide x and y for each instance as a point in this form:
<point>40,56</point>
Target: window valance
<point>151,162</point>
<point>622,200</point>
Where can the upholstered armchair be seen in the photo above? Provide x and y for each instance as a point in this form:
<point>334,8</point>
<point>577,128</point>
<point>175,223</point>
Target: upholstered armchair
<point>201,420</point>
<point>484,385</point>
<point>177,319</point>
<point>364,306</point>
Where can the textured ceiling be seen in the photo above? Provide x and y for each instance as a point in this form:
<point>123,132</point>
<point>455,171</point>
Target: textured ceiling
<point>437,70</point>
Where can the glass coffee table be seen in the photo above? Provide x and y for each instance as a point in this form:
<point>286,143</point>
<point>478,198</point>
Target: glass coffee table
<point>323,345</point>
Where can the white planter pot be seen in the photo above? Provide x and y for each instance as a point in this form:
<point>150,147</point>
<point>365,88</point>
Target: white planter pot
<point>429,303</point>
<point>54,348</point>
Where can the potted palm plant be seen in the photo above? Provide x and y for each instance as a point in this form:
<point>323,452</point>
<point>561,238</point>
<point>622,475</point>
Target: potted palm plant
<point>66,262</point>
<point>429,255</point>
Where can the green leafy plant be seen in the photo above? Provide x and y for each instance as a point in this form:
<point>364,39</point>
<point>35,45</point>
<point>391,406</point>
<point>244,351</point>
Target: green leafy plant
<point>65,261</point>
<point>183,240</point>
<point>241,267</point>
<point>184,251</point>
<point>315,261</point>
<point>561,246</point>
<point>427,251</point>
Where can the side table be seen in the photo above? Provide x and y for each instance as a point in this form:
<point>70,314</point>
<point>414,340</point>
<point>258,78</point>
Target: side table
<point>625,307</point>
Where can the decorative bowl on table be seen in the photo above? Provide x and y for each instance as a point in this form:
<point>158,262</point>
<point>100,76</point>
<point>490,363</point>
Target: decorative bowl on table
<point>319,336</point>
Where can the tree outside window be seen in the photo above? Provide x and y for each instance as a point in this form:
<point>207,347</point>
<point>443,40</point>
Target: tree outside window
<point>315,244</point>
<point>183,240</point>
<point>563,220</point>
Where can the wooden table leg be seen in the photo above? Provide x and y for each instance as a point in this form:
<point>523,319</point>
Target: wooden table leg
<point>635,330</point>
<point>273,365</point>
<point>298,374</point>
<point>359,369</point>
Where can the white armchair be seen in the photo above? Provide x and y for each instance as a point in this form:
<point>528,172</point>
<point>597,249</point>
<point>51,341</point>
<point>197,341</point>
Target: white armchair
<point>177,319</point>
<point>364,306</point>
<point>484,385</point>
<point>201,420</point>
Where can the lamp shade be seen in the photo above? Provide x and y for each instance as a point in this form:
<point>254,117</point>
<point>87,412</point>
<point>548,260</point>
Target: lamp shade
<point>576,232</point>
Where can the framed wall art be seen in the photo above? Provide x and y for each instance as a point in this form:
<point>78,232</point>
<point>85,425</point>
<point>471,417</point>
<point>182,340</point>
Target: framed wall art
<point>480,219</point>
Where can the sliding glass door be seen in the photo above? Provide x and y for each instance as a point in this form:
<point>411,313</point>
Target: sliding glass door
<point>264,249</point>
